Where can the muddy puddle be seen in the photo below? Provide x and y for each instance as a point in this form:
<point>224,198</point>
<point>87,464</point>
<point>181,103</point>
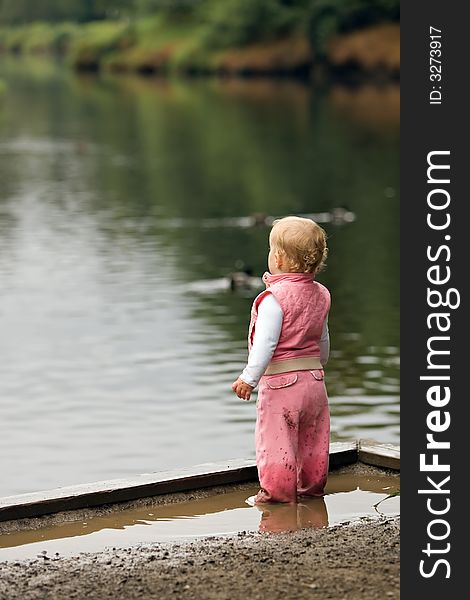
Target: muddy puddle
<point>349,497</point>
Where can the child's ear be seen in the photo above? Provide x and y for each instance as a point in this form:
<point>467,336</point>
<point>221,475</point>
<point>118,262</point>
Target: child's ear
<point>278,259</point>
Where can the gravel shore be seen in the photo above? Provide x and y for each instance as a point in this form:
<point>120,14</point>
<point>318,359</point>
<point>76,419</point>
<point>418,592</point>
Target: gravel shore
<point>358,561</point>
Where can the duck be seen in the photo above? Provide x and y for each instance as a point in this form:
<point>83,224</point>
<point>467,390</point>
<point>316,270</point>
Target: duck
<point>341,215</point>
<point>260,219</point>
<point>244,280</point>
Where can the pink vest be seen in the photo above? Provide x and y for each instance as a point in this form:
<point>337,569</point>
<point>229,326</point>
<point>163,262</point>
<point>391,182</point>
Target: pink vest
<point>305,304</point>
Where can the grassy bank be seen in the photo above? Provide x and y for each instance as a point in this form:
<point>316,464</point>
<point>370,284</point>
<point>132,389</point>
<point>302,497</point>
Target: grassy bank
<point>234,37</point>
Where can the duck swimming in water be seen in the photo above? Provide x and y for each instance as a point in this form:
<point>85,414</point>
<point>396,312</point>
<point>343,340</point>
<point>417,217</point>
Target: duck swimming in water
<point>341,215</point>
<point>244,280</point>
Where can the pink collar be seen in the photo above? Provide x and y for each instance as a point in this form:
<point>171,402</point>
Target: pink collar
<point>269,279</point>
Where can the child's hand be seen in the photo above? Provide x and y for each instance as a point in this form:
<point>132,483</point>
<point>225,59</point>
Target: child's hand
<point>242,389</point>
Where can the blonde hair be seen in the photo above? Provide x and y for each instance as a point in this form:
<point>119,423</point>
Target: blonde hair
<point>302,242</point>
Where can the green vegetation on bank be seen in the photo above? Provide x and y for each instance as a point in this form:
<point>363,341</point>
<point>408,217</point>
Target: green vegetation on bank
<point>188,35</point>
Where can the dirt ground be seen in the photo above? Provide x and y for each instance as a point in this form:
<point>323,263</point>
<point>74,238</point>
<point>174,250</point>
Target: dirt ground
<point>358,561</point>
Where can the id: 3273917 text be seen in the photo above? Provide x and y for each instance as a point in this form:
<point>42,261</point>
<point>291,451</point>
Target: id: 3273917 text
<point>435,65</point>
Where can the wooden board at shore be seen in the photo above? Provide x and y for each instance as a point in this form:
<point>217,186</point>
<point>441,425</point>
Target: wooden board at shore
<point>181,480</point>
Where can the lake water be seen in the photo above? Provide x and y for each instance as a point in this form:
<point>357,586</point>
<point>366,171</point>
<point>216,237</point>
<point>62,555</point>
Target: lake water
<point>125,204</point>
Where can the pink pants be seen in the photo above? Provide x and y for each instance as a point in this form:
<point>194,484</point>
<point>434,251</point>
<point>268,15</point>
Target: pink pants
<point>292,436</point>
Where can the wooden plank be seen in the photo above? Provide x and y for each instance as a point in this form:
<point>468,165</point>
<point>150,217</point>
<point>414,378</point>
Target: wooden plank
<point>342,453</point>
<point>379,455</point>
<point>122,490</point>
<point>148,484</point>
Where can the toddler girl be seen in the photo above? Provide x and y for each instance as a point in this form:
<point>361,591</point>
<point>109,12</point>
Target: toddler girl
<point>288,344</point>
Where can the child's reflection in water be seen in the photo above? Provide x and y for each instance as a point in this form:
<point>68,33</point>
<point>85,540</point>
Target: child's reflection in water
<point>280,517</point>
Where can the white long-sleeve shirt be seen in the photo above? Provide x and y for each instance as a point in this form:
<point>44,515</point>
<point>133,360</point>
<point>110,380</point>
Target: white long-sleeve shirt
<point>268,330</point>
